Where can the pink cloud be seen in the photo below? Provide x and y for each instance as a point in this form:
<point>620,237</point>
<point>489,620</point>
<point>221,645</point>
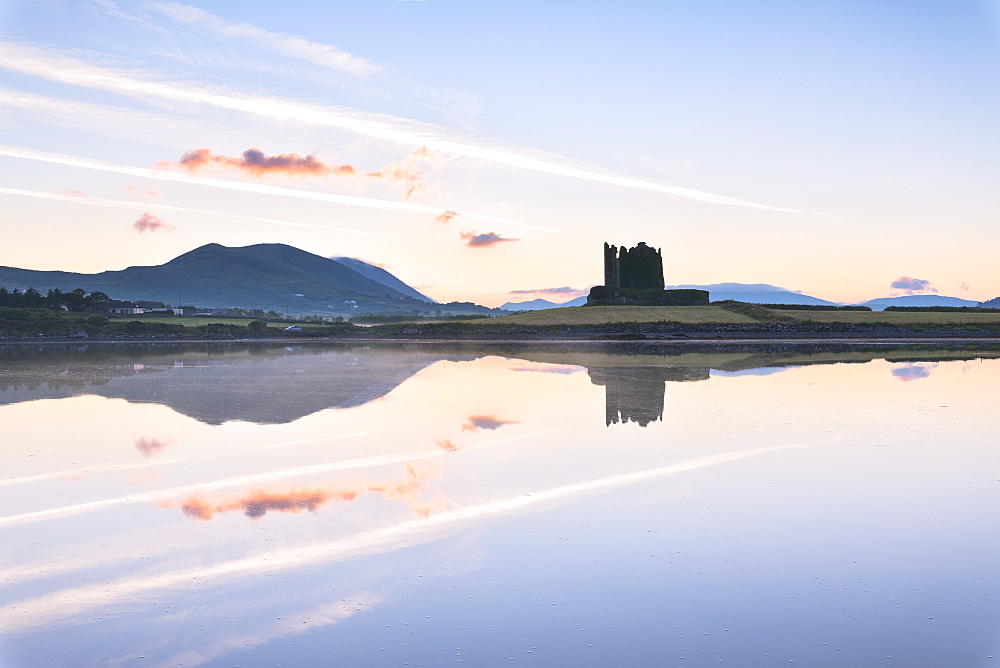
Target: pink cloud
<point>147,222</point>
<point>255,162</point>
<point>911,285</point>
<point>134,191</point>
<point>489,422</point>
<point>912,371</point>
<point>446,217</point>
<point>484,240</point>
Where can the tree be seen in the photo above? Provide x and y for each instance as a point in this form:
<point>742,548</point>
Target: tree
<point>32,298</point>
<point>97,300</point>
<point>75,300</point>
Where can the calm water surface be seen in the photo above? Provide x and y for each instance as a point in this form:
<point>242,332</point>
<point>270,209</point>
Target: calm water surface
<point>551,505</point>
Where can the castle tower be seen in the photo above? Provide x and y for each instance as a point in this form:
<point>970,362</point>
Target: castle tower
<point>640,267</point>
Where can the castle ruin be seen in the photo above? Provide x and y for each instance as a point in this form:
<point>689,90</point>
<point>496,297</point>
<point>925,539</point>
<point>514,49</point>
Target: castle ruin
<point>640,268</point>
<point>634,276</point>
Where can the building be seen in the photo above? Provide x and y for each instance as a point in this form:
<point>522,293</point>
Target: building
<point>122,308</point>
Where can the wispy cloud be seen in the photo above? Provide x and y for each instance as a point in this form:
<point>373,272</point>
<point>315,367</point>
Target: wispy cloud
<point>34,61</point>
<point>147,222</point>
<point>912,286</point>
<point>446,217</point>
<point>484,240</point>
<point>259,188</point>
<point>543,367</point>
<point>80,198</point>
<point>565,291</point>
<point>324,55</point>
<point>134,191</point>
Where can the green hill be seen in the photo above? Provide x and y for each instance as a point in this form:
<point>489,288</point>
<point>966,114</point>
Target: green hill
<point>265,276</point>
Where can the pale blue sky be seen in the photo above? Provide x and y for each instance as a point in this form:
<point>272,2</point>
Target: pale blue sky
<point>829,147</point>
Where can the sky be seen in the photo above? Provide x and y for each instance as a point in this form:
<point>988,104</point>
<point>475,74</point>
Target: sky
<point>484,151</point>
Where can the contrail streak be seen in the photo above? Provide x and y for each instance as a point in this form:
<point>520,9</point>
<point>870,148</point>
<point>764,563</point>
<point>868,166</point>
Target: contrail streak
<point>251,479</point>
<point>125,204</point>
<point>85,471</point>
<point>111,468</point>
<point>35,61</point>
<point>258,188</point>
<point>33,612</point>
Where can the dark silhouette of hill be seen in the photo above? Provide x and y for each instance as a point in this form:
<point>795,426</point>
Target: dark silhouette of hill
<point>380,275</point>
<point>265,276</point>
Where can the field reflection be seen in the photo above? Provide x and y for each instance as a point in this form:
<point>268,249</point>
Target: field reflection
<point>554,504</point>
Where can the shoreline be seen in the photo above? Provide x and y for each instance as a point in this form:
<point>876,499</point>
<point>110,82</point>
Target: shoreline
<point>936,339</point>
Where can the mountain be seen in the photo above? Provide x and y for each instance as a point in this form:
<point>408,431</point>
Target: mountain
<point>917,300</point>
<point>265,276</point>
<point>380,275</point>
<point>992,303</point>
<point>754,293</point>
<point>539,304</point>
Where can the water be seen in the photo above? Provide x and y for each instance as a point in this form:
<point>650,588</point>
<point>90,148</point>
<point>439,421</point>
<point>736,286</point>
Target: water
<point>665,505</point>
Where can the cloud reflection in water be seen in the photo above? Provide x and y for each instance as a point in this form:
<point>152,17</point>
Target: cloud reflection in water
<point>256,503</point>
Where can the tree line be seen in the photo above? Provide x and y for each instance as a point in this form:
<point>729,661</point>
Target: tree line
<point>55,299</point>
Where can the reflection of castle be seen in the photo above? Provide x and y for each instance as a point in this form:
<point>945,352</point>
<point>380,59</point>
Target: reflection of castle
<point>635,394</point>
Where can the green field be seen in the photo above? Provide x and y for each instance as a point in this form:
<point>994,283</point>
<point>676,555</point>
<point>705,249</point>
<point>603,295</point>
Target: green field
<point>598,315</point>
<point>712,314</point>
<point>901,318</point>
<point>195,321</point>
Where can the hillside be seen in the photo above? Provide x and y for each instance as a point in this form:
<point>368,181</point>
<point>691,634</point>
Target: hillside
<point>265,276</point>
<point>380,275</point>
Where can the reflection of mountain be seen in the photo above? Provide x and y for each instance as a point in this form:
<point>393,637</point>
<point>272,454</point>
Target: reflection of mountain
<point>266,384</point>
<point>635,394</point>
<point>269,383</point>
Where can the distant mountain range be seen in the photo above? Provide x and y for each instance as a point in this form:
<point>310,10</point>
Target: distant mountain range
<point>264,276</point>
<point>762,293</point>
<point>754,293</point>
<point>917,300</point>
<point>540,304</point>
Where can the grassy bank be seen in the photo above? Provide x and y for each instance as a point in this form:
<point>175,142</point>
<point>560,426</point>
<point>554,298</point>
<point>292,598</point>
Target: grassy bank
<point>599,315</point>
<point>736,312</point>
<point>720,320</point>
<point>19,323</point>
